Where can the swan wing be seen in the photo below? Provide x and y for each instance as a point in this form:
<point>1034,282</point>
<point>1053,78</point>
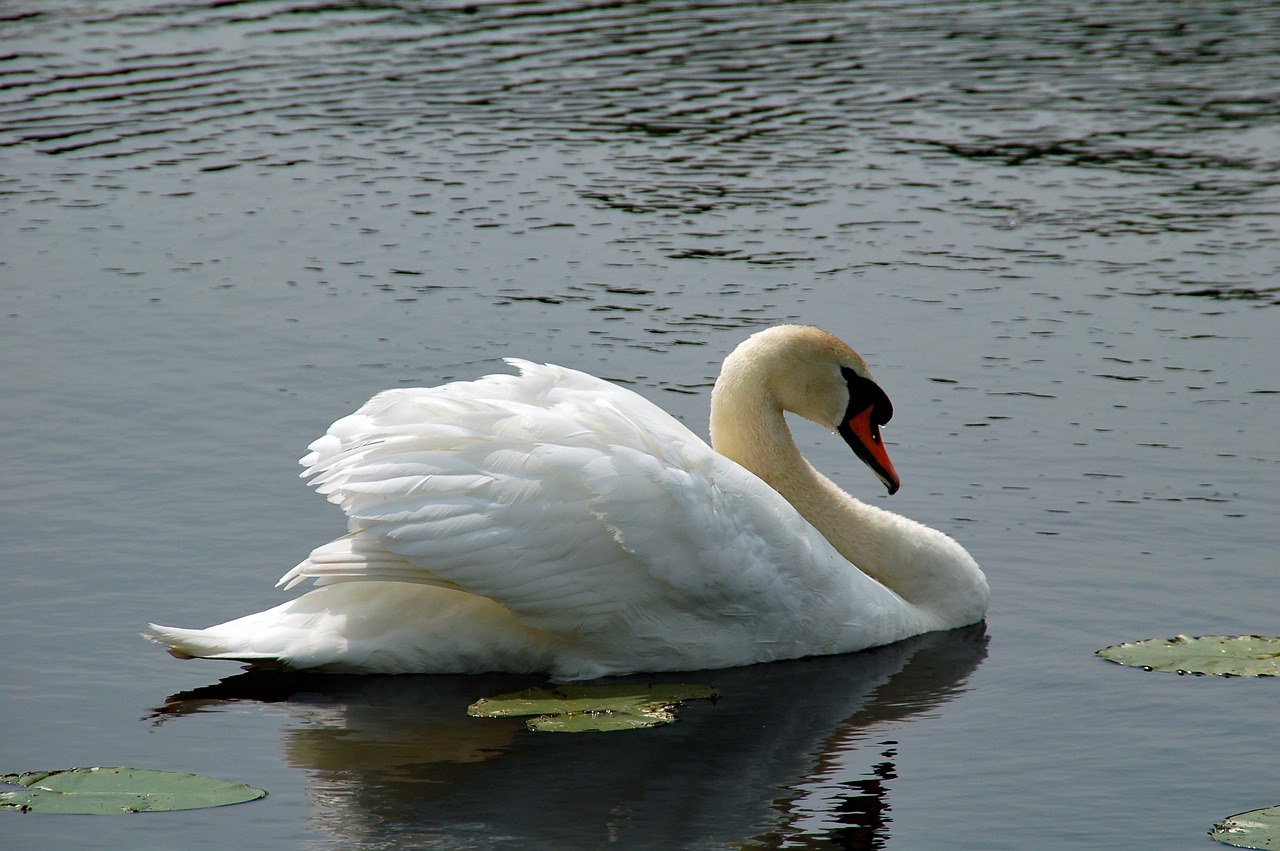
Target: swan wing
<point>574,503</point>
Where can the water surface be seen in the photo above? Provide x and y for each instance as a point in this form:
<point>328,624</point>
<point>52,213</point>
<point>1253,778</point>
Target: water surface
<point>1049,227</point>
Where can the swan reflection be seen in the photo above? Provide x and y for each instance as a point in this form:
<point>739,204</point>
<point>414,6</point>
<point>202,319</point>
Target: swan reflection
<point>791,750</point>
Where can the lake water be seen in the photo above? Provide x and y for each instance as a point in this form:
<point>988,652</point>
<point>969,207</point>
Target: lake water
<point>1051,228</point>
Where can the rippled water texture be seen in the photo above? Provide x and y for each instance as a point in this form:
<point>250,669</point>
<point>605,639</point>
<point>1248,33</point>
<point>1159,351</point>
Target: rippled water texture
<point>1050,227</point>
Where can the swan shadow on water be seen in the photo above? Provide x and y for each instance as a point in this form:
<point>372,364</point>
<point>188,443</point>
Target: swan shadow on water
<point>789,748</point>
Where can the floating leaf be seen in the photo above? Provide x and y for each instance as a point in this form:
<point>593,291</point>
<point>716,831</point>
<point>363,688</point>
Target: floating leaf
<point>1254,829</point>
<point>106,791</point>
<point>1222,655</point>
<point>600,707</point>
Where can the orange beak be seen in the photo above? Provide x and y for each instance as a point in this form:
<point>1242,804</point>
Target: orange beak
<point>863,435</point>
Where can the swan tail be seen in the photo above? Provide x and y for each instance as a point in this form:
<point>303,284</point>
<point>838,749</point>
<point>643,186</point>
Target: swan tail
<point>204,644</point>
<point>283,635</point>
<point>371,628</point>
<point>301,633</point>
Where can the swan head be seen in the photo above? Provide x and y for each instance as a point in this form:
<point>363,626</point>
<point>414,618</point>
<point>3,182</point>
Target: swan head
<point>817,376</point>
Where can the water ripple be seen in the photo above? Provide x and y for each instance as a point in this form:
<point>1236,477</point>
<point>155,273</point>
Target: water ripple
<point>691,118</point>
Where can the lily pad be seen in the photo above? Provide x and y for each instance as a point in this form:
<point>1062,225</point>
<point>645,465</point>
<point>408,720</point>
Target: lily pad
<point>1221,655</point>
<point>1254,829</point>
<point>106,791</point>
<point>598,708</point>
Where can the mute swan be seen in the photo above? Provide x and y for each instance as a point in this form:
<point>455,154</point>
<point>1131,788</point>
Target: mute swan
<point>553,522</point>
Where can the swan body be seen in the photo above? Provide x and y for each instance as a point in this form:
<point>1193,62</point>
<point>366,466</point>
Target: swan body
<point>553,522</point>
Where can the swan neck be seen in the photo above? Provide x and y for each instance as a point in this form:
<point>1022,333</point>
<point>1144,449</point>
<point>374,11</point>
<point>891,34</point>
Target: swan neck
<point>924,566</point>
<point>749,426</point>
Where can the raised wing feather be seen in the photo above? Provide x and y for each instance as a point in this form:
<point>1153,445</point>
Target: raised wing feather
<point>576,504</point>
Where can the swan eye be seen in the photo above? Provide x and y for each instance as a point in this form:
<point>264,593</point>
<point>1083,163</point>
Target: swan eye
<point>865,393</point>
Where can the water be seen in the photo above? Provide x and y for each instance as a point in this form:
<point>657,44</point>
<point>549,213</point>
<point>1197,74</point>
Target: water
<point>1050,228</point>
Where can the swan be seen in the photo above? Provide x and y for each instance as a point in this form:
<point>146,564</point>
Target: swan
<point>552,522</point>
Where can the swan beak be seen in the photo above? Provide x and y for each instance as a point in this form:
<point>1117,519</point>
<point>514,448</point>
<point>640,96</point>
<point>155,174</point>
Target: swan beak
<point>862,434</point>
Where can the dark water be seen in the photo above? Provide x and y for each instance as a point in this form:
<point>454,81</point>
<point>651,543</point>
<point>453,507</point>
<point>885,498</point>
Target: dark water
<point>1050,227</point>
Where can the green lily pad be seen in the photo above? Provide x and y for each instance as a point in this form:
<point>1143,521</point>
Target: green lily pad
<point>1221,655</point>
<point>106,791</point>
<point>1254,829</point>
<point>599,708</point>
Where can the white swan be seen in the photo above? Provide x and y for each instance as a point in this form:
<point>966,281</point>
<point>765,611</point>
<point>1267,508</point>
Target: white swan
<point>554,522</point>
